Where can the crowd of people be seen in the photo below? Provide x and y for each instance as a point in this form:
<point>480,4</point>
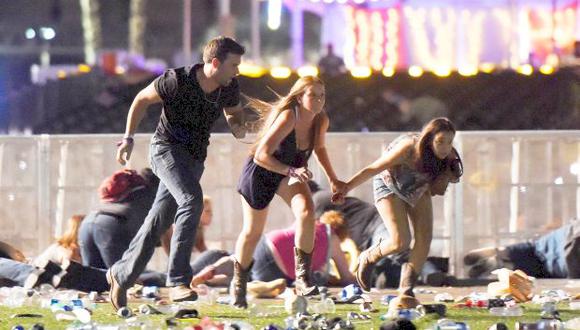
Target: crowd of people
<point>335,239</point>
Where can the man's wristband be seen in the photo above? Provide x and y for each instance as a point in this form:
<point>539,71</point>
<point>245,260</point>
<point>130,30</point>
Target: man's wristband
<point>128,140</point>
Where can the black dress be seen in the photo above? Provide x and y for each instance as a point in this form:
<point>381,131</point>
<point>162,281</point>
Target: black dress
<point>258,185</point>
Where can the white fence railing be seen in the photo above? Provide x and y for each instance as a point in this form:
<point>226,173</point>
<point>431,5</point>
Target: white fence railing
<point>516,185</point>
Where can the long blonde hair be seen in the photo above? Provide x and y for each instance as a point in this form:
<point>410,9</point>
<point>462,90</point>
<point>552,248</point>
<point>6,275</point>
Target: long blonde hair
<point>268,112</point>
<point>69,239</point>
<point>335,220</point>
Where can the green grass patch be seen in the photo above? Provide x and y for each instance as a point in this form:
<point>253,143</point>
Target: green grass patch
<point>476,318</point>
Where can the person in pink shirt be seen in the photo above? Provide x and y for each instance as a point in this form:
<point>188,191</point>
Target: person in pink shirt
<point>274,256</point>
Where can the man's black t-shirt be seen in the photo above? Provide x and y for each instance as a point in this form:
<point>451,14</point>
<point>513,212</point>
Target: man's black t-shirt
<point>188,113</point>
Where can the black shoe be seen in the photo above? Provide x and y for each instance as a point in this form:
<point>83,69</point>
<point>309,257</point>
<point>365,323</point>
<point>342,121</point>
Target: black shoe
<point>40,276</point>
<point>439,279</point>
<point>49,266</point>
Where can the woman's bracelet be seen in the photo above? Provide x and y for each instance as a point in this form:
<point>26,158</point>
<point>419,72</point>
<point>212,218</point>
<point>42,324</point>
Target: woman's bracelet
<point>292,172</point>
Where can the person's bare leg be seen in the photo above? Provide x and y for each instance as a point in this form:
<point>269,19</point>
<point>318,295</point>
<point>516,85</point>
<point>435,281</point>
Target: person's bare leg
<point>393,212</point>
<point>421,217</point>
<point>299,198</point>
<point>254,222</point>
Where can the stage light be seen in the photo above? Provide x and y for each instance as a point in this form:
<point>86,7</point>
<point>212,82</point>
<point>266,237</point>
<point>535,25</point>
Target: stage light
<point>360,71</point>
<point>392,43</point>
<point>274,14</point>
<point>251,70</point>
<point>546,69</point>
<point>280,72</point>
<point>30,33</point>
<point>61,74</point>
<point>388,71</point>
<point>364,38</point>
<point>442,71</point>
<point>525,69</point>
<point>47,33</point>
<point>415,71</point>
<point>377,39</point>
<point>307,70</point>
<point>83,68</point>
<point>119,70</point>
<point>467,71</point>
<point>487,67</point>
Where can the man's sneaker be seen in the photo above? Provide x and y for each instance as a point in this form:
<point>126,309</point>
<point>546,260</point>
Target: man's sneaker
<point>182,293</point>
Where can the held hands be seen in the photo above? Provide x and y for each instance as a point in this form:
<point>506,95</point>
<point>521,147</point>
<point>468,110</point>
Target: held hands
<point>301,174</point>
<point>339,191</point>
<point>125,147</point>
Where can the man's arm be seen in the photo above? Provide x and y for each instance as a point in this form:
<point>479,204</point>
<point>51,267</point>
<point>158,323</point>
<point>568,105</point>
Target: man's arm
<point>142,101</point>
<point>236,120</point>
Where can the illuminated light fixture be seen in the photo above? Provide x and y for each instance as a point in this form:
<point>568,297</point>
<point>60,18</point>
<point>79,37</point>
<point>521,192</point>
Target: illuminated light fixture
<point>415,71</point>
<point>388,71</point>
<point>280,72</point>
<point>119,70</point>
<point>251,70</point>
<point>525,69</point>
<point>392,43</point>
<point>442,71</point>
<point>487,67</point>
<point>47,33</point>
<point>341,1</point>
<point>30,33</point>
<point>377,39</point>
<point>307,70</point>
<point>467,71</point>
<point>360,71</point>
<point>274,14</point>
<point>546,69</point>
<point>363,48</point>
<point>61,74</point>
<point>83,68</point>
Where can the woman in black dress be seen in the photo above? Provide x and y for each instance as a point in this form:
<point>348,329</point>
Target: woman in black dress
<point>294,127</point>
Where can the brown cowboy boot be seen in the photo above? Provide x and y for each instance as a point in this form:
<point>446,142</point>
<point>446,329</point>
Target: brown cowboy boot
<point>366,260</point>
<point>406,298</point>
<point>302,283</point>
<point>239,284</point>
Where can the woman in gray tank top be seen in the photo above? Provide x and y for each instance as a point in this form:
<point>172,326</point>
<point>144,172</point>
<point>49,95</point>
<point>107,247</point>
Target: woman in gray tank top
<point>411,169</point>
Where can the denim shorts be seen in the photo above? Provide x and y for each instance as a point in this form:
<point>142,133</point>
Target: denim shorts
<point>380,189</point>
